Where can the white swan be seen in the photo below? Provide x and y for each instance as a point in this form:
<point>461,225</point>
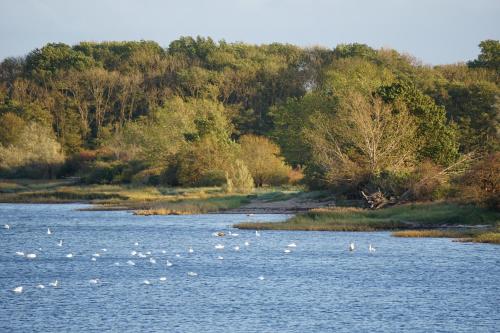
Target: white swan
<point>352,247</point>
<point>93,259</point>
<point>40,286</point>
<point>287,251</point>
<point>261,278</point>
<point>292,244</point>
<point>163,251</point>
<point>177,255</point>
<point>18,290</point>
<point>146,282</point>
<point>192,274</point>
<point>141,255</point>
<point>54,284</point>
<point>20,253</point>
<point>220,258</point>
<point>6,226</point>
<point>136,244</point>
<point>257,233</point>
<point>31,256</point>
<point>190,250</point>
<point>219,246</point>
<point>94,281</point>
<point>371,248</point>
<point>133,253</point>
<point>152,260</point>
<point>163,278</point>
<point>49,232</point>
<point>236,248</point>
<point>96,255</point>
<point>104,250</point>
<point>69,255</point>
<point>169,263</point>
<point>148,253</point>
<point>130,263</point>
<point>60,243</point>
<point>247,243</point>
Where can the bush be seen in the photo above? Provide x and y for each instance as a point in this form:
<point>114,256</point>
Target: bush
<point>481,183</point>
<point>148,177</point>
<point>238,178</point>
<point>103,172</point>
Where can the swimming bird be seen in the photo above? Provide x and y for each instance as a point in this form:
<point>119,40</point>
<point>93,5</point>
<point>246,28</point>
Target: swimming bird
<point>152,260</point>
<point>236,248</point>
<point>104,250</point>
<point>190,250</point>
<point>257,233</point>
<point>220,258</point>
<point>146,282</point>
<point>49,232</point>
<point>287,251</point>
<point>96,255</point>
<point>141,255</point>
<point>69,255</point>
<point>163,251</point>
<point>148,253</point>
<point>130,263</point>
<point>6,226</point>
<point>169,263</point>
<point>219,246</point>
<point>136,244</point>
<point>261,278</point>
<point>18,290</point>
<point>40,286</point>
<point>117,263</point>
<point>133,253</point>
<point>352,247</point>
<point>247,243</point>
<point>371,248</point>
<point>192,274</point>
<point>54,284</point>
<point>250,214</point>
<point>93,259</point>
<point>20,253</point>
<point>94,281</point>
<point>163,278</point>
<point>177,255</point>
<point>31,256</point>
<point>292,244</point>
<point>60,243</point>
<point>218,234</point>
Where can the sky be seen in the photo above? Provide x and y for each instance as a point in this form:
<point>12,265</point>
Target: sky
<point>434,31</point>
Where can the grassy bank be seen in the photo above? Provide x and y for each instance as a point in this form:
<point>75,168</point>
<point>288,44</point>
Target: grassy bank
<point>412,220</point>
<point>143,200</point>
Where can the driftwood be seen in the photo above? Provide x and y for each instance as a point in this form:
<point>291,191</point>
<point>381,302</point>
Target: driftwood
<point>376,200</point>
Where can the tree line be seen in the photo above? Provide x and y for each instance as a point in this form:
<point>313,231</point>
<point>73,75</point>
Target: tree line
<point>201,112</point>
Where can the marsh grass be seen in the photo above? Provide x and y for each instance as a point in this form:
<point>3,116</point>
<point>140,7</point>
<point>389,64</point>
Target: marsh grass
<point>411,216</point>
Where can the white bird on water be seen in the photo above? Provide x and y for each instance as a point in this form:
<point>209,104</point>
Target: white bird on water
<point>54,284</point>
<point>133,253</point>
<point>130,263</point>
<point>93,259</point>
<point>94,281</point>
<point>40,286</point>
<point>152,260</point>
<point>136,244</point>
<point>287,251</point>
<point>236,248</point>
<point>20,253</point>
<point>371,248</point>
<point>292,244</point>
<point>192,274</point>
<point>163,279</point>
<point>220,258</point>
<point>96,255</point>
<point>18,290</point>
<point>31,256</point>
<point>247,243</point>
<point>169,263</point>
<point>261,278</point>
<point>257,233</point>
<point>219,246</point>
<point>60,243</point>
<point>69,255</point>
<point>190,250</point>
<point>6,226</point>
<point>352,247</point>
<point>49,232</point>
<point>146,282</point>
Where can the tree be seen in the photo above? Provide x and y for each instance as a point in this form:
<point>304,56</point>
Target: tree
<point>365,136</point>
<point>489,56</point>
<point>263,159</point>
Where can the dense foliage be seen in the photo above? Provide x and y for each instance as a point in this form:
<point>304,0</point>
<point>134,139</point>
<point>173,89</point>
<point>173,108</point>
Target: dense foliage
<point>201,113</point>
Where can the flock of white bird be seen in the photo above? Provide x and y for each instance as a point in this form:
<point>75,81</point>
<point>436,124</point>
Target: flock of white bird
<point>152,260</point>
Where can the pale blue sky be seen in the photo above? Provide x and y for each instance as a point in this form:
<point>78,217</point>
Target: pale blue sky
<point>435,31</point>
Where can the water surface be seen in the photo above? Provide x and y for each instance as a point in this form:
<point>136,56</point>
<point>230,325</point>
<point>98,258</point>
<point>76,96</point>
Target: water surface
<point>407,285</point>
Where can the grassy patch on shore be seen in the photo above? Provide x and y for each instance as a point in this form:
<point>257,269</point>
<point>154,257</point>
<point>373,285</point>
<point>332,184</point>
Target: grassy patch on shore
<point>144,200</point>
<point>454,218</point>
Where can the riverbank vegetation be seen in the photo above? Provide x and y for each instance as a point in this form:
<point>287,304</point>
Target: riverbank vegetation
<point>129,119</point>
